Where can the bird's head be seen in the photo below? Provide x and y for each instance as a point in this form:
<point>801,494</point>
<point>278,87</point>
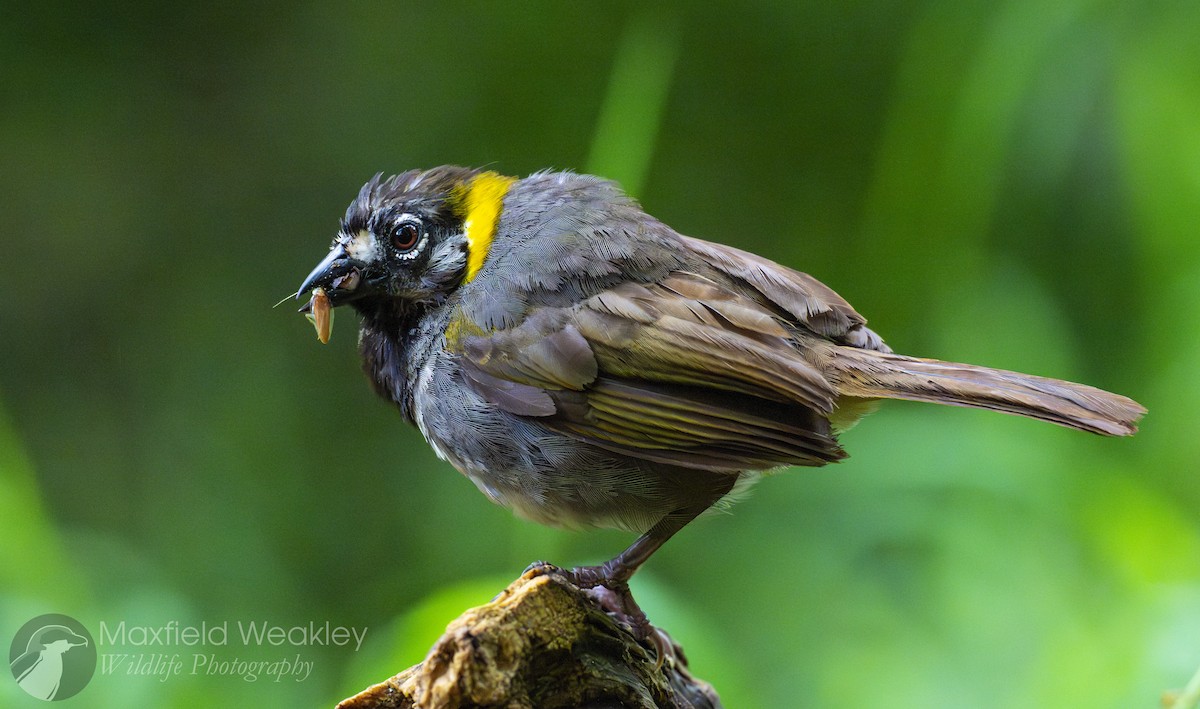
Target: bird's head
<point>407,240</point>
<point>56,638</point>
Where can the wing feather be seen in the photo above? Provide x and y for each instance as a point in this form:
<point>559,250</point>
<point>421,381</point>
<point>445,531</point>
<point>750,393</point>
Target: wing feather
<point>685,371</point>
<point>809,301</point>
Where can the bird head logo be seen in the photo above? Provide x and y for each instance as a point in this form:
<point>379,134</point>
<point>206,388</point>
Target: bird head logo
<point>52,657</point>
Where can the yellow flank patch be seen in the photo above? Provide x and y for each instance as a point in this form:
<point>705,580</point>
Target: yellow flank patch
<point>481,201</point>
<point>459,328</point>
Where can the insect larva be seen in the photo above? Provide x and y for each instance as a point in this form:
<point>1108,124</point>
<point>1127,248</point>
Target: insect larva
<point>321,314</point>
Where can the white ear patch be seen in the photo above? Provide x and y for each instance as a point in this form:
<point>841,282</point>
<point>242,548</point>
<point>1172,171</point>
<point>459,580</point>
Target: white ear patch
<point>361,246</point>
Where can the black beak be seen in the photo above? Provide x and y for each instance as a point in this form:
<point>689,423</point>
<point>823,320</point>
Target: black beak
<point>338,274</point>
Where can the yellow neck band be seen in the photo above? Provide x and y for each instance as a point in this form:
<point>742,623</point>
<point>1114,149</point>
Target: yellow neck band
<point>482,200</point>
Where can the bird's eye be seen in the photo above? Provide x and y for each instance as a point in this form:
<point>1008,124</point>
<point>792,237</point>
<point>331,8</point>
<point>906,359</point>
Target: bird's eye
<point>405,237</point>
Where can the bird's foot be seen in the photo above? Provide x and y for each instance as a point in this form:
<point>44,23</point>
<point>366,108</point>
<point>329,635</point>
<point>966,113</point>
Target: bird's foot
<point>614,597</point>
<point>544,567</point>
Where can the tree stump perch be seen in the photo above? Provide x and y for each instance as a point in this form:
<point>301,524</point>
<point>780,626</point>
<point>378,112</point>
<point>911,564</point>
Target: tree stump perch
<point>543,642</point>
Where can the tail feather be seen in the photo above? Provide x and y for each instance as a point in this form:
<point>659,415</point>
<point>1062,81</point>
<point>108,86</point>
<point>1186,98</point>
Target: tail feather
<point>876,375</point>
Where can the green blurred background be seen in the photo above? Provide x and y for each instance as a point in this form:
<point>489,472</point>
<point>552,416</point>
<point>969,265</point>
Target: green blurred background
<point>1014,183</point>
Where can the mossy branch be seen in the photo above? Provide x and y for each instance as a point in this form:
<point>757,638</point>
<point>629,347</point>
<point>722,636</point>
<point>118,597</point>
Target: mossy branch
<point>543,642</point>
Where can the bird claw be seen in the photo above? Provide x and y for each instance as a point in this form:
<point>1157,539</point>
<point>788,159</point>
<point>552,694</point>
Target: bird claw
<point>615,598</point>
<point>538,568</point>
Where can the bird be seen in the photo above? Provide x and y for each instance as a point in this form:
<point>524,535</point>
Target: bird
<point>586,365</point>
<point>39,669</point>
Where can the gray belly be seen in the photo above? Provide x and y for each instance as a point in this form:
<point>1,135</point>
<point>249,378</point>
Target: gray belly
<point>543,475</point>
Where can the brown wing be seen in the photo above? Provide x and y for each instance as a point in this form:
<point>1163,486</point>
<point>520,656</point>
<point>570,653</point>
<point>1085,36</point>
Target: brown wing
<point>811,302</point>
<point>684,371</point>
<point>863,369</point>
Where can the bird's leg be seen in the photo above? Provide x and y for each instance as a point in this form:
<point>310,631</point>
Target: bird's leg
<point>616,572</point>
<point>609,582</point>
